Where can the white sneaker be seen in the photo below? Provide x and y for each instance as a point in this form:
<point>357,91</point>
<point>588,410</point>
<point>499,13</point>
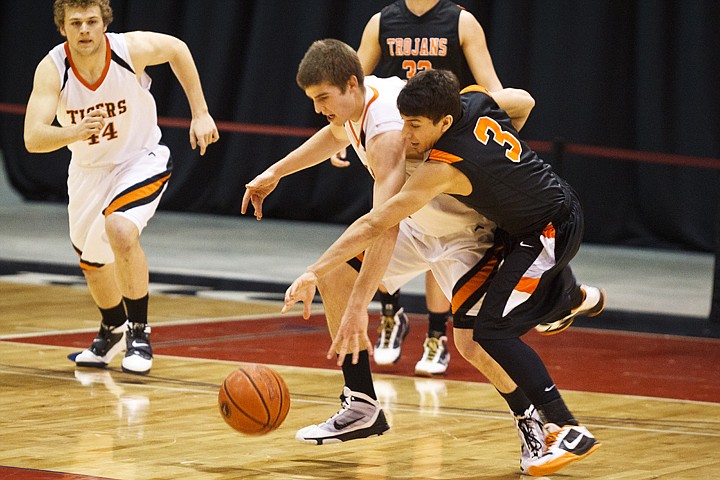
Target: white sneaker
<point>593,303</point>
<point>563,445</point>
<point>393,331</point>
<point>359,417</point>
<point>532,437</point>
<point>138,357</point>
<point>435,359</point>
<point>109,342</point>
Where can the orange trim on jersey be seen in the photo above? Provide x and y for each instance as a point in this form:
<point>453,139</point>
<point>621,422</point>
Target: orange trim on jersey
<point>472,285</point>
<point>360,256</point>
<point>375,96</point>
<point>135,195</point>
<point>88,266</point>
<point>474,88</point>
<point>444,157</point>
<point>527,285</point>
<point>108,56</point>
<point>549,231</point>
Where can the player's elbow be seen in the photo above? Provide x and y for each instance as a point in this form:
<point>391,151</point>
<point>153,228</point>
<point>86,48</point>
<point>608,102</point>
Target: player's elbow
<point>32,143</point>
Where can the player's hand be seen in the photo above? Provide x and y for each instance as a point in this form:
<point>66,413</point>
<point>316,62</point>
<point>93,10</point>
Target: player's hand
<point>338,160</point>
<point>256,191</point>
<point>92,123</point>
<point>203,132</point>
<point>301,290</point>
<point>351,337</point>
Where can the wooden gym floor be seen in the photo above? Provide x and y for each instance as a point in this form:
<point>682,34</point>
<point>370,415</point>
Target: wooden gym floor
<point>645,383</point>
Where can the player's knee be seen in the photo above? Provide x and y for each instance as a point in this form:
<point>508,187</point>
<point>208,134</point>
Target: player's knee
<point>122,234</point>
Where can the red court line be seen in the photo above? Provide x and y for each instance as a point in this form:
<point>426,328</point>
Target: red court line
<point>13,473</point>
<point>579,359</point>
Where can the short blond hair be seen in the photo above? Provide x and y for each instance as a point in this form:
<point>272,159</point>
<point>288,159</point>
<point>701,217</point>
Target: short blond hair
<point>60,6</point>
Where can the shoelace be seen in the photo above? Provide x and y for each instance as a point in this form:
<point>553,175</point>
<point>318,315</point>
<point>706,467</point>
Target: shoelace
<point>387,326</point>
<point>432,345</point>
<point>525,425</point>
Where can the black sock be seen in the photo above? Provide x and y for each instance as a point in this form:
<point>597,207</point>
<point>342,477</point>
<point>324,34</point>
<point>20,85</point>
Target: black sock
<point>390,303</point>
<point>517,401</point>
<point>358,377</point>
<point>556,412</point>
<point>437,323</point>
<point>113,316</point>
<point>137,309</point>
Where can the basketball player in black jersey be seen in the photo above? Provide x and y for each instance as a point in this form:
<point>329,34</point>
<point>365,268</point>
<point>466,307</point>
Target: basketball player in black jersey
<point>406,37</point>
<point>476,155</point>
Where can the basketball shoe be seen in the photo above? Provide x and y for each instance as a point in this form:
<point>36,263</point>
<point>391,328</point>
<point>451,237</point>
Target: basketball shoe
<point>532,437</point>
<point>359,417</point>
<point>435,359</point>
<point>393,331</point>
<point>592,304</point>
<point>563,445</point>
<point>138,356</point>
<point>109,342</point>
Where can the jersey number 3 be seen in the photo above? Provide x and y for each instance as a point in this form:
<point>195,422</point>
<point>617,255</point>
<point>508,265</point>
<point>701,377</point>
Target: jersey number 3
<point>485,125</point>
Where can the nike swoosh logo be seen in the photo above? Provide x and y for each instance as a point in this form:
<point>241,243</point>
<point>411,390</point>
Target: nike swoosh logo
<point>547,389</point>
<point>523,244</point>
<point>340,426</point>
<point>573,444</point>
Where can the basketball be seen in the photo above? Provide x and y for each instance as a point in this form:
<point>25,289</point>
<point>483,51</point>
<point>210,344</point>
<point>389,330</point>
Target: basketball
<point>254,399</point>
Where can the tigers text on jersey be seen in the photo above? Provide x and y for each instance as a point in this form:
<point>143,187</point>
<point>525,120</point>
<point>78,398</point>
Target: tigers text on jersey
<point>131,126</point>
<point>410,43</point>
<point>511,185</point>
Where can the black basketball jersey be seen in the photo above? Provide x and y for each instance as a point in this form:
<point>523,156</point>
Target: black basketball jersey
<point>410,43</point>
<point>512,186</point>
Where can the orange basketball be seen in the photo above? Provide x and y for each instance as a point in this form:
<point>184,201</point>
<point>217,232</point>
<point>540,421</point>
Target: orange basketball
<point>254,399</point>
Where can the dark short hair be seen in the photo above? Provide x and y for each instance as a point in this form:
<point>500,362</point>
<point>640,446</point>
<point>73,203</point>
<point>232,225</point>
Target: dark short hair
<point>329,61</point>
<point>432,94</point>
<point>59,7</point>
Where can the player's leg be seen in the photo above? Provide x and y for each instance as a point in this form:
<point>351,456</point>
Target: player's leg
<point>87,191</point>
<point>566,440</point>
<point>436,356</point>
<point>138,186</point>
<point>360,415</point>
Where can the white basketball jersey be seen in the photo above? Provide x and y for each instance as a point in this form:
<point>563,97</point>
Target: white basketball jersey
<point>131,127</point>
<point>444,215</point>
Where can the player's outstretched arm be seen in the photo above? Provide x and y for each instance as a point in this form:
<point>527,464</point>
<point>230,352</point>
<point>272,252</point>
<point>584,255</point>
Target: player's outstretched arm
<point>315,150</point>
<point>150,48</point>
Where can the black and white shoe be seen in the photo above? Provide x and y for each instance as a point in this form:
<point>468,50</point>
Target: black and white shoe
<point>138,356</point>
<point>563,445</point>
<point>359,417</point>
<point>109,342</point>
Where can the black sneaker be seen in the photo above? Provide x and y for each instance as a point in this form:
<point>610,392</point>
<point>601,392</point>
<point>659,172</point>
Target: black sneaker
<point>109,342</point>
<point>138,357</point>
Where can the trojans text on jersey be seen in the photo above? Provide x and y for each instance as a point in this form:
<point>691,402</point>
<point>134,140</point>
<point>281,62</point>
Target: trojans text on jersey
<point>418,46</point>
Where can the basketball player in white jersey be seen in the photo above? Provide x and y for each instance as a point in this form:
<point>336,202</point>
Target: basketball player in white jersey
<point>362,112</point>
<point>96,86</point>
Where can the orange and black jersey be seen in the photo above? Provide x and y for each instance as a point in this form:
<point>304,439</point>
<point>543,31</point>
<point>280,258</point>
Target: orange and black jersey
<point>410,43</point>
<point>512,186</point>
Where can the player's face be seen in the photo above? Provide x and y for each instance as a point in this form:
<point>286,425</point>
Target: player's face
<point>422,134</point>
<point>84,29</point>
<point>337,106</point>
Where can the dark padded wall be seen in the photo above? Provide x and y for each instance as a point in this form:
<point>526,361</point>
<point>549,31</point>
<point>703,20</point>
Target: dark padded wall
<point>634,75</point>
